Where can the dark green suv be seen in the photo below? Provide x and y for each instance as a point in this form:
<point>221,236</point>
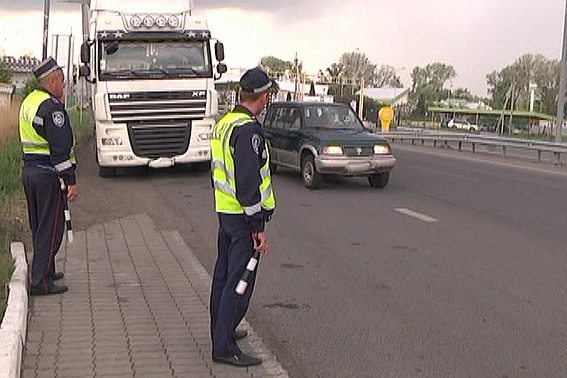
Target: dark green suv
<point>325,139</point>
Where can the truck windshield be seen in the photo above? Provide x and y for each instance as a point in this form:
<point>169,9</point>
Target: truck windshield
<point>143,59</point>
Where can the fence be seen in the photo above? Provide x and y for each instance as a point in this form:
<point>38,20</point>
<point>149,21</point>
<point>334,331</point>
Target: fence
<point>448,139</point>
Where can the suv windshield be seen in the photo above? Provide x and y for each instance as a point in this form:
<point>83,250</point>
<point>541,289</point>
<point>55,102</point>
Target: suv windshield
<point>164,59</point>
<point>331,117</point>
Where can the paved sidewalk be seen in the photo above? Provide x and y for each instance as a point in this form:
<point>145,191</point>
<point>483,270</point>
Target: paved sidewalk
<point>137,306</point>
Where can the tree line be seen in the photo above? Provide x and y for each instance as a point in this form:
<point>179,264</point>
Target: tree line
<point>508,88</point>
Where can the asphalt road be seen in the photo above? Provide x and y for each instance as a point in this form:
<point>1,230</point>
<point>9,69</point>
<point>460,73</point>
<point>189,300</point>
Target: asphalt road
<point>456,269</point>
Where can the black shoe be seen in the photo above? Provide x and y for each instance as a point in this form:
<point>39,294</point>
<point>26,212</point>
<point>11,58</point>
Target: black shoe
<point>240,334</point>
<point>54,289</point>
<point>240,360</point>
<point>58,276</point>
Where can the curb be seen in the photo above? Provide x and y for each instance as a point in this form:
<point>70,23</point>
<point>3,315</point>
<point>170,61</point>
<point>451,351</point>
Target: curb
<point>14,324</point>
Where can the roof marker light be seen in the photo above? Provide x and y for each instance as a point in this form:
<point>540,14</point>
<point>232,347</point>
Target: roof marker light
<point>148,21</point>
<point>135,22</point>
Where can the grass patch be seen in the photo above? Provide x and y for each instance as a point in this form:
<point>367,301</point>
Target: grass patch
<point>13,208</point>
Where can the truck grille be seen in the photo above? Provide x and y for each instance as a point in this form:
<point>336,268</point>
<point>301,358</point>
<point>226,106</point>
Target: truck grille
<point>159,140</point>
<point>359,151</point>
<point>157,106</point>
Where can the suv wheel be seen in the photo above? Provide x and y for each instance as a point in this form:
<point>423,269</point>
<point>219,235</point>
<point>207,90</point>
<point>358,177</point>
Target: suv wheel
<point>379,180</point>
<point>311,178</point>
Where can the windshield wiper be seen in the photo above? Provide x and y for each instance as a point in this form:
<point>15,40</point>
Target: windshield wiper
<point>123,72</point>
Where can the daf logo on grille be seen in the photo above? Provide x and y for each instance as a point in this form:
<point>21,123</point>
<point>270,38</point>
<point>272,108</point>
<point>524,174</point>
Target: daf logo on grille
<point>358,150</point>
<point>119,96</point>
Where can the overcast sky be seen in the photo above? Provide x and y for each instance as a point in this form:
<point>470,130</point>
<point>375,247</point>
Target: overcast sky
<point>474,36</point>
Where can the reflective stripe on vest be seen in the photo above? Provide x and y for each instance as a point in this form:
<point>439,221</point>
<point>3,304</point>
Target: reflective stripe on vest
<point>224,180</point>
<point>32,142</point>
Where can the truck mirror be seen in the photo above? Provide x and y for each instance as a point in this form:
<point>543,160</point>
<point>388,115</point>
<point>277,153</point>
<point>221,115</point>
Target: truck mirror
<point>85,52</point>
<point>84,71</point>
<point>219,51</point>
<point>221,68</point>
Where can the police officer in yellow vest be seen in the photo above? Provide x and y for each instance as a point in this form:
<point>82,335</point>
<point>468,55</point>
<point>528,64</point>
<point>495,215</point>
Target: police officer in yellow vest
<point>244,202</point>
<point>48,151</point>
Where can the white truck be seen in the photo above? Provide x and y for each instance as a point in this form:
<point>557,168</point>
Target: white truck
<point>152,90</point>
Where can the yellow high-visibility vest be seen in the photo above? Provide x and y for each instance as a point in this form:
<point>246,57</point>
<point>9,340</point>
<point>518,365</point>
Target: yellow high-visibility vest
<point>32,142</point>
<point>223,169</point>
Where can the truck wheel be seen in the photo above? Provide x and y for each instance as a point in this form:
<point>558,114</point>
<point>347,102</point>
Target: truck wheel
<point>311,178</point>
<point>379,180</point>
<point>106,171</point>
<point>202,166</point>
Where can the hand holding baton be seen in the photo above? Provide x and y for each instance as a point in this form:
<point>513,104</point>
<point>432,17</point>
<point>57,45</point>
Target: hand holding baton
<point>243,283</point>
<point>68,224</point>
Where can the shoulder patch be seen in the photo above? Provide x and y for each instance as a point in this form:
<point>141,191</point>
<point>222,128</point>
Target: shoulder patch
<point>256,141</point>
<point>58,118</point>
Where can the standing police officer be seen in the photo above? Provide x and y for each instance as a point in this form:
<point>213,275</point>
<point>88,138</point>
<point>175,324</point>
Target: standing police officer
<point>244,201</point>
<point>48,151</point>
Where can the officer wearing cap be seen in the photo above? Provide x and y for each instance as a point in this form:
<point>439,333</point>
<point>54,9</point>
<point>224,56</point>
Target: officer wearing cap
<point>244,202</point>
<point>48,152</point>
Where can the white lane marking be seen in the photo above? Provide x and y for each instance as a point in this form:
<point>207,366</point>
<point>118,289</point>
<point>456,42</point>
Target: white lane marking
<point>415,214</point>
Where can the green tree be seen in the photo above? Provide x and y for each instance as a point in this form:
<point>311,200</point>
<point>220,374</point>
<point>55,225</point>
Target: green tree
<point>511,86</point>
<point>31,84</point>
<point>356,66</point>
<point>428,85</point>
<point>386,76</point>
<point>335,71</point>
<point>275,66</point>
<point>462,93</point>
<point>5,73</point>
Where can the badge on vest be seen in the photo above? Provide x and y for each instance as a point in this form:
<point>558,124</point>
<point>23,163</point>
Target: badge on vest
<point>58,118</point>
<point>256,140</point>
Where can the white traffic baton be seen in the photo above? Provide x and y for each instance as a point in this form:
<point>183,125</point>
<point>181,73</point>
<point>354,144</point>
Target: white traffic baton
<point>252,263</point>
<point>68,224</point>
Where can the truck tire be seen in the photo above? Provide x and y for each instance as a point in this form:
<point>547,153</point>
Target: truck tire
<point>379,180</point>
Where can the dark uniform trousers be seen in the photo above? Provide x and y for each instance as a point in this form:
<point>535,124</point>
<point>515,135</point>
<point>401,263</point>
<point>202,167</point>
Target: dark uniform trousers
<point>47,221</point>
<point>235,247</point>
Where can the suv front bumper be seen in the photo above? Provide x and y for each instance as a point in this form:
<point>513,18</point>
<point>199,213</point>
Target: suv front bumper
<point>354,166</point>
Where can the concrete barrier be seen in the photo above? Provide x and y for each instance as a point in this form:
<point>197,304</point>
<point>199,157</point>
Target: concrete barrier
<point>14,325</point>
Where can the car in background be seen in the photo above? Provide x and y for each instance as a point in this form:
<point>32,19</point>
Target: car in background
<point>321,139</point>
<point>462,124</point>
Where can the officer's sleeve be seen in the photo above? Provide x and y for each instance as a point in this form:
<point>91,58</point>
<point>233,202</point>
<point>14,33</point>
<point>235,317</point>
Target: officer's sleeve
<point>60,137</point>
<point>248,147</point>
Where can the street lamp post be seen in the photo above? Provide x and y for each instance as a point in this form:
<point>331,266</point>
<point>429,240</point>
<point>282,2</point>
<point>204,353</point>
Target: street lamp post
<point>46,7</point>
<point>561,96</point>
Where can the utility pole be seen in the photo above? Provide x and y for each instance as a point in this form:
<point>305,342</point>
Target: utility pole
<point>561,96</point>
<point>46,7</point>
<point>296,78</point>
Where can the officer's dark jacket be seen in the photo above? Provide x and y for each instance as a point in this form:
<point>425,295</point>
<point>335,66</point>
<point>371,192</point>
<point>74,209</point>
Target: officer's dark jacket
<point>249,157</point>
<point>60,138</point>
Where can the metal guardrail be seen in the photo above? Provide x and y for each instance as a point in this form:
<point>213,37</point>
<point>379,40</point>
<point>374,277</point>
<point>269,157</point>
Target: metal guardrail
<point>475,140</point>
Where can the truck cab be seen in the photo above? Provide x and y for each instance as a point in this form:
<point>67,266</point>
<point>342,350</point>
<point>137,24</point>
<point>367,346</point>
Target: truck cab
<point>152,84</point>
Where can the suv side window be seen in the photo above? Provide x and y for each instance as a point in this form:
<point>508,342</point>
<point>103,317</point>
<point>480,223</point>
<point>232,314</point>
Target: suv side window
<point>279,118</point>
<point>269,120</point>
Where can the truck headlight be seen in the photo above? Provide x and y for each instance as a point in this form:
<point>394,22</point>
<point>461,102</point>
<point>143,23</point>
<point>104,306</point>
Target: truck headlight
<point>380,149</point>
<point>333,150</point>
